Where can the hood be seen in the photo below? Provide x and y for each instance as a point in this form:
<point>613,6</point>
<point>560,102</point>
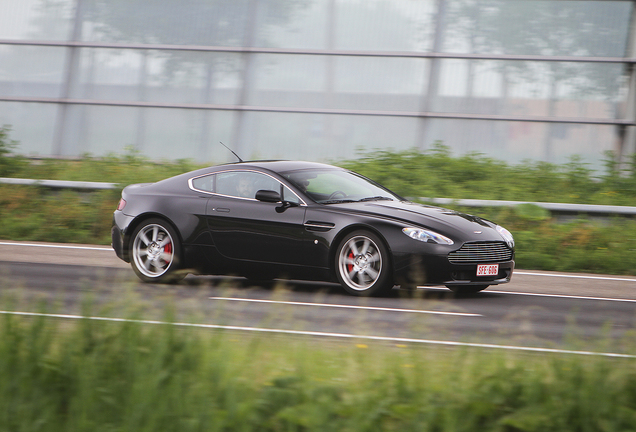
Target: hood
<point>452,223</point>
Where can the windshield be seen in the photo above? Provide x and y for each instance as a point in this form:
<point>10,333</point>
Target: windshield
<point>337,186</point>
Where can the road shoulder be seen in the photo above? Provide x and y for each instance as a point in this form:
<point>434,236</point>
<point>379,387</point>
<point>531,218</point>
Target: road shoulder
<point>60,253</point>
<point>523,281</point>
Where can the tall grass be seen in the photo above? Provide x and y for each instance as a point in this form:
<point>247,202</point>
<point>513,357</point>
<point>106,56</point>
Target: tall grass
<point>127,376</point>
<point>38,214</point>
<point>438,173</point>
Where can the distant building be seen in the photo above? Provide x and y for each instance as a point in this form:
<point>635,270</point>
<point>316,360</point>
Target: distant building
<point>319,79</point>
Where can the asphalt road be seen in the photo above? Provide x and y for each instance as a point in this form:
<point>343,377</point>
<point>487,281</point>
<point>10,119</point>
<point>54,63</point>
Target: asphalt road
<point>537,310</point>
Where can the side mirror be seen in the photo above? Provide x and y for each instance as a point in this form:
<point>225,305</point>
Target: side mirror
<point>268,196</point>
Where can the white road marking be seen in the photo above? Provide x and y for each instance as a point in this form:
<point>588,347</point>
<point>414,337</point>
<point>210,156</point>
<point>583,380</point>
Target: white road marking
<point>103,248</point>
<point>332,335</point>
<point>574,276</point>
<point>542,295</point>
<point>347,306</point>
<point>566,296</point>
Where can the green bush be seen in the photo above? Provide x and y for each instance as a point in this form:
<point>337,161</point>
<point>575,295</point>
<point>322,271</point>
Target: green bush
<point>531,212</point>
<point>9,164</point>
<point>436,173</point>
<point>38,214</point>
<point>127,376</point>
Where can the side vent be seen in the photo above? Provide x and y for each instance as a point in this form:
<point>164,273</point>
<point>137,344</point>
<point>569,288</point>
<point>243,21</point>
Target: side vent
<point>319,226</point>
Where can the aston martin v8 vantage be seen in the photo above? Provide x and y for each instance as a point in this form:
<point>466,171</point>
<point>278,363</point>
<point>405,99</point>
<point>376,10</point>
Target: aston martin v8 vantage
<point>304,220</point>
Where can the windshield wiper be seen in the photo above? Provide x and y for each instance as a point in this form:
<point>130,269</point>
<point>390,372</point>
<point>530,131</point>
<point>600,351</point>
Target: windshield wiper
<point>375,198</point>
<point>338,201</point>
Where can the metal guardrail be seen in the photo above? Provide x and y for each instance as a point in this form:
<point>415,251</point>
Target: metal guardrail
<point>60,184</point>
<point>553,207</point>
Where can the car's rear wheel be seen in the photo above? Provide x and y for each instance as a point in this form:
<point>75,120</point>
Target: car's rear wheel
<point>362,264</point>
<point>155,252</point>
<point>468,289</point>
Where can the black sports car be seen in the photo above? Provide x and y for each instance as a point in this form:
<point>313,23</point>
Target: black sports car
<point>303,220</point>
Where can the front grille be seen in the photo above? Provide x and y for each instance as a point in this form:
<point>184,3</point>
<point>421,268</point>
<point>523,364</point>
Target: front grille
<point>473,253</point>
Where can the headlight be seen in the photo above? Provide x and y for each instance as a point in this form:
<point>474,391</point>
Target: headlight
<point>507,236</point>
<point>427,236</point>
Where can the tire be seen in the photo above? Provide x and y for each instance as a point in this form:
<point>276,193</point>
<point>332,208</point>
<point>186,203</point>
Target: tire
<point>468,289</point>
<point>362,264</point>
<point>155,252</point>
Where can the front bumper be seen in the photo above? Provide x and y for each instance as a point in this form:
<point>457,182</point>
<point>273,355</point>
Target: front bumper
<point>431,270</point>
<point>468,275</point>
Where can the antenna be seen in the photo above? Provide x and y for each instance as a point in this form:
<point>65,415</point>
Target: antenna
<point>237,156</point>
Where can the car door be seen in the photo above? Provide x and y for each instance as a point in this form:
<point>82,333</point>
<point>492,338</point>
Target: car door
<point>244,228</point>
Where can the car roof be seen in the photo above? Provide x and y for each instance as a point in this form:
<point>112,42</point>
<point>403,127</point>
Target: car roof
<point>277,166</point>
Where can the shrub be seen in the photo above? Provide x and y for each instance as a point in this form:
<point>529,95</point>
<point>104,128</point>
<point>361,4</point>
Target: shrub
<point>9,164</point>
<point>127,376</point>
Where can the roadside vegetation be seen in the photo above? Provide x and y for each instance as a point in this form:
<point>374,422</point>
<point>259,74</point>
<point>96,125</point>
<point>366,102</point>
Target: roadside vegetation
<point>437,173</point>
<point>60,375</point>
<point>543,243</point>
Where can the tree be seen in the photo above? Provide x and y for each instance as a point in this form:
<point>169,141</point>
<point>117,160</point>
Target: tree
<point>551,28</point>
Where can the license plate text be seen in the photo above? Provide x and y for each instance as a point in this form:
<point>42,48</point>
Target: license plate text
<point>487,269</point>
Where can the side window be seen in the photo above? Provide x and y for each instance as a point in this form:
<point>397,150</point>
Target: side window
<point>289,196</point>
<point>244,184</point>
<point>204,183</point>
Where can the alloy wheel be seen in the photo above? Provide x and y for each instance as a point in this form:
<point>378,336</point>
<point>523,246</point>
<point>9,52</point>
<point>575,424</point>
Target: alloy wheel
<point>360,263</point>
<point>153,251</point>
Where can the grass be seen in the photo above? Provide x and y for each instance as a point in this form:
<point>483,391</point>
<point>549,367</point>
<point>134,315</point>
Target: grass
<point>127,376</point>
<point>437,173</point>
<point>37,214</point>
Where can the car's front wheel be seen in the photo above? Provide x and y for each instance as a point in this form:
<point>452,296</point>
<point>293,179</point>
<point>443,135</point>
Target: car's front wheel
<point>155,252</point>
<point>362,264</point>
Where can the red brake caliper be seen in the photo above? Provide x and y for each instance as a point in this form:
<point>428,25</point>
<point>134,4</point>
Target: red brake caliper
<point>350,266</point>
<point>168,248</point>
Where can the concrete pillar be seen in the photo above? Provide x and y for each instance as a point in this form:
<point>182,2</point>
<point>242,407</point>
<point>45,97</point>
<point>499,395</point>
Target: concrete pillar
<point>627,134</point>
<point>71,70</point>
